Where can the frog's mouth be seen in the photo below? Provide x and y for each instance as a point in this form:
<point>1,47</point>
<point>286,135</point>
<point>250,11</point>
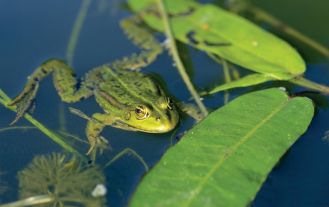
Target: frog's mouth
<point>121,125</point>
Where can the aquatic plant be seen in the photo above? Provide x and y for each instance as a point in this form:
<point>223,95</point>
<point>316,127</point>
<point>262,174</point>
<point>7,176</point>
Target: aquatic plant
<point>58,180</point>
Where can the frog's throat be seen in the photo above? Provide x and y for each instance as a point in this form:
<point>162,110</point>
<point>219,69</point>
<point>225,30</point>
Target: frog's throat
<point>121,125</point>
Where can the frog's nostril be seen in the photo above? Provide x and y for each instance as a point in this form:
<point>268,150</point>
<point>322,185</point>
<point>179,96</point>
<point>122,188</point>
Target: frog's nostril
<point>157,118</point>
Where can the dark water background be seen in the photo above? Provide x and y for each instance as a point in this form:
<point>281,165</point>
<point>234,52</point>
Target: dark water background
<point>36,30</point>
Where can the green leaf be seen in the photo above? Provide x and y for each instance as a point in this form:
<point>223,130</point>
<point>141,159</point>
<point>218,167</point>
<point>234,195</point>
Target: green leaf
<point>224,160</point>
<point>248,80</point>
<point>214,30</point>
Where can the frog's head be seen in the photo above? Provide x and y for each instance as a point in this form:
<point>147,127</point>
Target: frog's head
<point>160,117</point>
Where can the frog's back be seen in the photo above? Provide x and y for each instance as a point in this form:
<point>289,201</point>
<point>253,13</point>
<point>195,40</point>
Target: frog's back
<point>127,88</point>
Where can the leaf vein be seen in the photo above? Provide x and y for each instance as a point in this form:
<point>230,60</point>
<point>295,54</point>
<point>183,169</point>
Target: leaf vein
<point>231,151</point>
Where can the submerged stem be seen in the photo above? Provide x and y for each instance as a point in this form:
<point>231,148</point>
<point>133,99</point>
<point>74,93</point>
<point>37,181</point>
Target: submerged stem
<point>5,100</point>
<point>31,201</point>
<point>70,50</point>
<point>178,61</point>
<point>228,79</point>
<point>124,152</point>
<point>76,30</point>
<point>226,72</point>
<point>16,128</point>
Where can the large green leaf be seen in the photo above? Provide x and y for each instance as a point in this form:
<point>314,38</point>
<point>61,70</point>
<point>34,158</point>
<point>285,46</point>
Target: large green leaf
<point>224,160</point>
<point>214,30</point>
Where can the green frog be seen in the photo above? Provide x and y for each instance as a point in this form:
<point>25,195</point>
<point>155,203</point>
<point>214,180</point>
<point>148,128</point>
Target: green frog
<point>130,99</point>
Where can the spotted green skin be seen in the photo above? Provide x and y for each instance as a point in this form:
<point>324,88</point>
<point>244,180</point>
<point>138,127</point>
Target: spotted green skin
<point>118,88</point>
<point>120,92</point>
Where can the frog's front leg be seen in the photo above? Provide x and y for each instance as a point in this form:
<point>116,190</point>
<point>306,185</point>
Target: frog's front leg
<point>64,81</point>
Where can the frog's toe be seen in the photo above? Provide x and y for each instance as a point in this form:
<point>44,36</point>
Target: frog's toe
<point>92,150</point>
<point>100,145</point>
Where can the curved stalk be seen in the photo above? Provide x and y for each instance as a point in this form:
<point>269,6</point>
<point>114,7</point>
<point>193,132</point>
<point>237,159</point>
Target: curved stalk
<point>178,61</point>
<point>31,201</point>
<point>70,50</point>
<point>124,152</point>
<point>76,30</point>
<point>5,100</point>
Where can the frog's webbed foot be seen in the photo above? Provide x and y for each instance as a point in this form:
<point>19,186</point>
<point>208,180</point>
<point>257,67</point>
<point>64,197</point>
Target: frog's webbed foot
<point>24,100</point>
<point>99,144</point>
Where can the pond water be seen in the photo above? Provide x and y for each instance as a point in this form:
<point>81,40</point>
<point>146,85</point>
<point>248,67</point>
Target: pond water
<point>34,31</point>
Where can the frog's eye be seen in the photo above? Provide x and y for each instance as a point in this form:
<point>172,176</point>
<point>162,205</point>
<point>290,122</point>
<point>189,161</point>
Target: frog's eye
<point>142,112</point>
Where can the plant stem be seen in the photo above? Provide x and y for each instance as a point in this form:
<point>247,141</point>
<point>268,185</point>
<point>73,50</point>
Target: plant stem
<point>76,30</point>
<point>70,50</point>
<point>178,61</point>
<point>226,72</point>
<point>124,152</point>
<point>74,137</point>
<point>16,128</point>
<point>227,77</point>
<point>5,100</point>
<point>310,84</point>
<point>35,200</point>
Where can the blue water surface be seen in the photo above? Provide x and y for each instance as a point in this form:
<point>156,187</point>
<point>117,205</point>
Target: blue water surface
<point>34,31</point>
